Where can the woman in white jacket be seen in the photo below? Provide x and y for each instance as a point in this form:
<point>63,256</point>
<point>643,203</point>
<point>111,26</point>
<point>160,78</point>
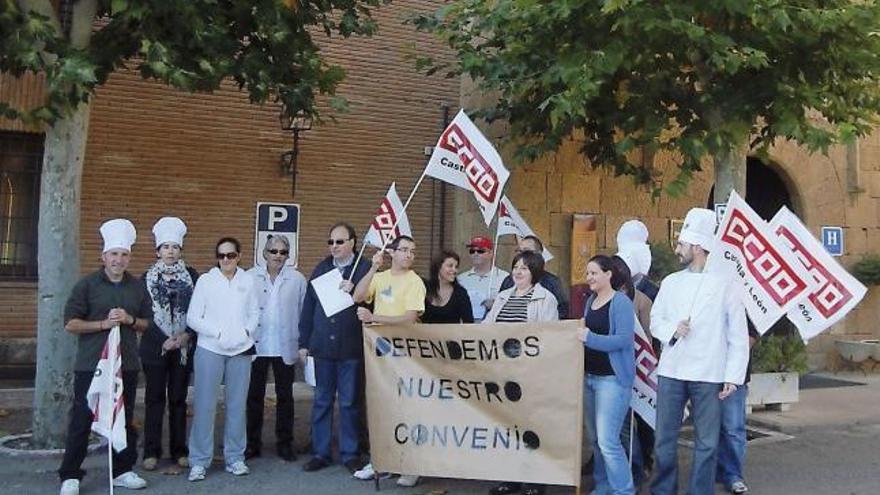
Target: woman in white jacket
<point>224,312</point>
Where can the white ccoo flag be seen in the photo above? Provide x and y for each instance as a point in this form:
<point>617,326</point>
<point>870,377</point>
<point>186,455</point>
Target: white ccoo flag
<point>773,281</point>
<point>836,291</point>
<point>511,223</point>
<point>390,222</point>
<point>105,394</point>
<point>465,158</point>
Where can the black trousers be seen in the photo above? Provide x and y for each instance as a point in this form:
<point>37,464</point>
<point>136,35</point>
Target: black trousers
<point>77,443</point>
<point>284,375</point>
<point>166,384</point>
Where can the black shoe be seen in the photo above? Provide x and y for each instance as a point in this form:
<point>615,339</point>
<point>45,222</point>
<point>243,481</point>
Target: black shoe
<point>286,453</point>
<point>251,452</point>
<point>353,465</point>
<point>506,488</point>
<point>533,489</point>
<point>316,463</point>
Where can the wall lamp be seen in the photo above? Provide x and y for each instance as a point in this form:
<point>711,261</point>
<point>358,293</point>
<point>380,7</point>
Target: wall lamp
<point>296,123</point>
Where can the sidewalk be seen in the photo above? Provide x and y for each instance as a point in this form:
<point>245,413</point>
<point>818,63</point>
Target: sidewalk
<point>828,408</point>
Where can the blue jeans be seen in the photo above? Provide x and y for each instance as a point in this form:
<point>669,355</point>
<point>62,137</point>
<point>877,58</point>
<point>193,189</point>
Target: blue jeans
<point>336,379</point>
<point>672,395</point>
<point>607,404</point>
<point>732,442</point>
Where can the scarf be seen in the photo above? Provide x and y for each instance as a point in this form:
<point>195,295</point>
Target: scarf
<point>170,287</point>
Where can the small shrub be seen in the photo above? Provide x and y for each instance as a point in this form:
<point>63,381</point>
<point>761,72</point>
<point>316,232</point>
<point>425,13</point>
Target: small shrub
<point>867,269</point>
<point>780,351</point>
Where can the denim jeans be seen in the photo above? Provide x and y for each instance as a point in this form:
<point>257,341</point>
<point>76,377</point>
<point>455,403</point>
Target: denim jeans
<point>672,395</point>
<point>732,442</point>
<point>210,369</point>
<point>336,380</point>
<point>607,404</point>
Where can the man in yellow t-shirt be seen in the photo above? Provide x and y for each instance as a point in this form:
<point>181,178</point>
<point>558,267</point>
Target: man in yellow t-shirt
<point>398,296</point>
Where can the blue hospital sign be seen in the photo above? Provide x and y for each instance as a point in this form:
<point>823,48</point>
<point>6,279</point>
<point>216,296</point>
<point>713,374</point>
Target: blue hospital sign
<point>276,219</point>
<point>832,239</point>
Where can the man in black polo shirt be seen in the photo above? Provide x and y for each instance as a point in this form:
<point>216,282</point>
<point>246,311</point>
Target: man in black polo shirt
<point>98,302</point>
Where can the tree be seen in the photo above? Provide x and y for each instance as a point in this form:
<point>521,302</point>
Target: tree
<point>698,78</point>
<point>266,46</point>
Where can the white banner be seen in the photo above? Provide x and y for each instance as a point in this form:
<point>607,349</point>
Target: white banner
<point>390,222</point>
<point>487,402</point>
<point>105,394</point>
<point>773,280</point>
<point>465,158</point>
<point>511,223</point>
<point>836,292</point>
<point>644,396</point>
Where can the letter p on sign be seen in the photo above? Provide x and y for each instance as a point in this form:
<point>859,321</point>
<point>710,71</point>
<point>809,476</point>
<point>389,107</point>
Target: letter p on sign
<point>277,214</point>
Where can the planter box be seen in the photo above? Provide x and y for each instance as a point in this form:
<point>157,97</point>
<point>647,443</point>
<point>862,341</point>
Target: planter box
<point>773,390</point>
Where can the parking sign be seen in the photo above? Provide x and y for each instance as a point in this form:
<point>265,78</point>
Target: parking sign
<point>276,219</point>
<point>832,239</point>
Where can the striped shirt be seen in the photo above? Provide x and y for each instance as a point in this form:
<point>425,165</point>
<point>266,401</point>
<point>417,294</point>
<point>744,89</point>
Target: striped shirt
<point>516,309</point>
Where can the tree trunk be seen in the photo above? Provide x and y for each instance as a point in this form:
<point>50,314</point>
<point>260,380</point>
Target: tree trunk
<point>58,258</point>
<point>730,174</point>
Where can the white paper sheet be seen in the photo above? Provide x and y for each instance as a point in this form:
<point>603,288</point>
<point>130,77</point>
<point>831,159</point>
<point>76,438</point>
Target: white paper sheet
<point>309,371</point>
<point>332,298</point>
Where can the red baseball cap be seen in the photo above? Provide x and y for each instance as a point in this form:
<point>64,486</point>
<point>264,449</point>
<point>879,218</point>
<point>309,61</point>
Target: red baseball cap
<point>480,242</point>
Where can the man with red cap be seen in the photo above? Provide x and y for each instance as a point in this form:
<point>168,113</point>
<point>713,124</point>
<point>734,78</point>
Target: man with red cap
<point>483,280</point>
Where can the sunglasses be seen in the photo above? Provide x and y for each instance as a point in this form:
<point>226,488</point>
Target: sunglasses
<point>283,252</point>
<point>475,251</point>
<point>338,242</point>
<point>230,256</point>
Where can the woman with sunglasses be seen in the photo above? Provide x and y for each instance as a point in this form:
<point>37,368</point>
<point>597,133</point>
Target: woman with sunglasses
<point>446,301</point>
<point>224,312</point>
<point>165,346</point>
<point>608,335</point>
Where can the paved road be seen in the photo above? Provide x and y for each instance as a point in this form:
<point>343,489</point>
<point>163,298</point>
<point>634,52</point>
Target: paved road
<point>817,462</point>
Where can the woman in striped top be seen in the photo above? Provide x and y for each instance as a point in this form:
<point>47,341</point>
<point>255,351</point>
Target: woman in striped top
<point>526,301</point>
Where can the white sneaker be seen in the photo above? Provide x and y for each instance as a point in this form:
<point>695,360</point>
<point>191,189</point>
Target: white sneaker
<point>70,487</point>
<point>238,468</point>
<point>408,480</point>
<point>196,473</point>
<point>130,480</point>
<point>365,473</point>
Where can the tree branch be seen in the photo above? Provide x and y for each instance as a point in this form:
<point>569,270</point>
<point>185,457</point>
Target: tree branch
<point>84,12</point>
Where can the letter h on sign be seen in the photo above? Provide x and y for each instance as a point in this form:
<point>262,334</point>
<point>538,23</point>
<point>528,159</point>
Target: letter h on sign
<point>832,239</point>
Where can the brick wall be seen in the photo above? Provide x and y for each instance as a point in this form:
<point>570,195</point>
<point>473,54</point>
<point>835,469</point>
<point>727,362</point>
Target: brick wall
<point>208,158</point>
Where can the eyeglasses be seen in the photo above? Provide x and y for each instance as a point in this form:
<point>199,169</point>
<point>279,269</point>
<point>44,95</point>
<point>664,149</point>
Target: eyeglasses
<point>230,256</point>
<point>282,252</point>
<point>338,242</point>
<point>475,251</point>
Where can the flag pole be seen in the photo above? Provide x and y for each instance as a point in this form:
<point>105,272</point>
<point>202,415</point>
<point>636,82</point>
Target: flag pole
<point>112,396</point>
<point>110,459</point>
<point>495,249</point>
<point>396,221</point>
<point>632,421</point>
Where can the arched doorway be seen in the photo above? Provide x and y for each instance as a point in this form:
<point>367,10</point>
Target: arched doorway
<point>766,190</point>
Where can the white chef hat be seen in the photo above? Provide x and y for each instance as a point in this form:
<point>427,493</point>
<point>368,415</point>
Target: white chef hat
<point>632,231</point>
<point>169,229</point>
<point>633,248</point>
<point>118,233</point>
<point>699,228</point>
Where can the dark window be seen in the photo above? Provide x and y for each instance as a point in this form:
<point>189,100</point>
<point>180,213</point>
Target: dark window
<point>21,158</point>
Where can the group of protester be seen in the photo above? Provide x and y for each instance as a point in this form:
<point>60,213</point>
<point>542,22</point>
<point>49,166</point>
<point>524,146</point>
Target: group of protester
<point>230,326</point>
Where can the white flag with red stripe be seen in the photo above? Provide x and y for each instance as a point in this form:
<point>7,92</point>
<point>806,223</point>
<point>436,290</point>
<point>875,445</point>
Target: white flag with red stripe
<point>644,396</point>
<point>105,394</point>
<point>465,158</point>
<point>836,292</point>
<point>390,222</point>
<point>510,222</point>
<point>772,279</point>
